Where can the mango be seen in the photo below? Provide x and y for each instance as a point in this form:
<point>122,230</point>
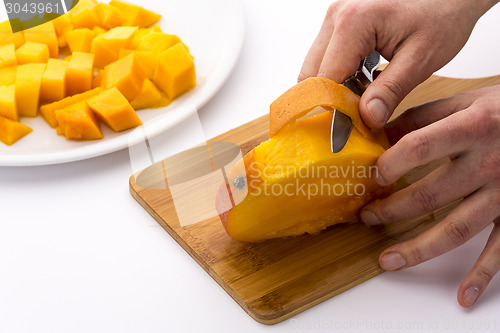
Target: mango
<point>126,74</point>
<point>292,183</point>
<point>134,15</point>
<point>146,59</point>
<point>175,73</point>
<point>48,111</point>
<point>106,47</point>
<point>8,37</point>
<point>8,106</point>
<point>7,55</point>
<point>157,42</point>
<point>32,52</point>
<point>11,131</point>
<point>44,34</point>
<point>114,110</point>
<point>62,24</point>
<point>109,16</point>
<point>79,73</point>
<point>8,75</point>
<point>79,40</point>
<point>53,85</point>
<point>28,81</point>
<point>148,97</point>
<point>83,16</point>
<point>78,122</point>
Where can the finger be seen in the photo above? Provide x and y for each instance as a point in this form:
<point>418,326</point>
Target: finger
<point>441,187</point>
<point>351,41</point>
<point>425,114</point>
<point>408,68</point>
<point>443,138</point>
<point>463,222</point>
<point>317,51</point>
<point>486,266</point>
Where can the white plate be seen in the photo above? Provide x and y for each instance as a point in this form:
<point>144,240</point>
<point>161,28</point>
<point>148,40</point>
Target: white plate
<point>214,32</point>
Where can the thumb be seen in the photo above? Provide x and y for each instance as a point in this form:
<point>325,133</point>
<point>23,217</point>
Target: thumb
<point>407,69</point>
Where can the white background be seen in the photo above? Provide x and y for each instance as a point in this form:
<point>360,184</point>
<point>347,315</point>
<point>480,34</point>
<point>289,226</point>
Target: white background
<point>78,254</point>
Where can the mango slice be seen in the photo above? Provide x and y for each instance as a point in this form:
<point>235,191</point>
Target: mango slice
<point>8,55</point>
<point>62,24</point>
<point>293,184</point>
<point>8,75</point>
<point>157,42</point>
<point>53,85</point>
<point>125,74</point>
<point>8,106</point>
<point>11,131</point>
<point>79,40</point>
<point>83,16</point>
<point>8,37</point>
<point>146,59</point>
<point>28,81</point>
<point>106,47</point>
<point>148,97</point>
<point>79,73</point>
<point>175,73</point>
<point>48,111</point>
<point>44,34</point>
<point>32,53</point>
<point>78,122</point>
<point>134,15</point>
<point>109,16</point>
<point>114,110</point>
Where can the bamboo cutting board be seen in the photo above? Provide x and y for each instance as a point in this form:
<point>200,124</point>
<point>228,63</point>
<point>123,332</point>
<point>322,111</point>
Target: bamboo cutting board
<point>276,279</point>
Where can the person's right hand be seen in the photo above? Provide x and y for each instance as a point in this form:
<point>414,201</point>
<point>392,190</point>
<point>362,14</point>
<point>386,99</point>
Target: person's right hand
<point>417,37</point>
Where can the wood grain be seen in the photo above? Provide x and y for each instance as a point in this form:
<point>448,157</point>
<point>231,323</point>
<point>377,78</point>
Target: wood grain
<point>277,279</point>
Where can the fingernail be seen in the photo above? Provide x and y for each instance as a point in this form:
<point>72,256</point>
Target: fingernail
<point>392,261</point>
<point>369,217</point>
<point>378,110</point>
<point>470,296</point>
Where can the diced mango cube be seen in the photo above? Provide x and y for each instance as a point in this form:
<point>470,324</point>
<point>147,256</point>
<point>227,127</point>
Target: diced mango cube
<point>8,107</point>
<point>44,34</point>
<point>28,80</point>
<point>78,122</point>
<point>11,131</point>
<point>148,97</point>
<point>99,31</point>
<point>125,74</point>
<point>79,73</point>
<point>53,85</point>
<point>157,42</point>
<point>8,75</point>
<point>48,111</point>
<point>62,24</point>
<point>134,15</point>
<point>146,59</point>
<point>7,55</point>
<point>8,37</point>
<point>83,16</point>
<point>107,46</point>
<point>32,52</point>
<point>109,16</point>
<point>114,110</point>
<point>175,73</point>
<point>79,40</point>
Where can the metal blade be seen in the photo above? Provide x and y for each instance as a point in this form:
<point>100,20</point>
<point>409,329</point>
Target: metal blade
<point>341,130</point>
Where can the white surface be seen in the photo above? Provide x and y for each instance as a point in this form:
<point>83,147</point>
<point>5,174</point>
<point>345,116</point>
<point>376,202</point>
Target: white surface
<point>215,58</point>
<point>78,254</point>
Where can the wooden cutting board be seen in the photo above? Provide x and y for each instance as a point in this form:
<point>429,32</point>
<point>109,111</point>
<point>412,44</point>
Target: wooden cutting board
<point>276,279</point>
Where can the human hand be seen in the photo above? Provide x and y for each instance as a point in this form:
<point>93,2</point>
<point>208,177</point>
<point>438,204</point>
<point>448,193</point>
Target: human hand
<point>466,128</point>
<point>417,37</point>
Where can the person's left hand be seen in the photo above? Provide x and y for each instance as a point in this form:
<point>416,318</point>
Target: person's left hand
<point>466,128</point>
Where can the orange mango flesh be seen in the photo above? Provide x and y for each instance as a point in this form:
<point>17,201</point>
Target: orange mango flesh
<point>78,122</point>
<point>28,81</point>
<point>79,73</point>
<point>114,110</point>
<point>296,185</point>
<point>7,55</point>
<point>32,52</point>
<point>8,106</point>
<point>53,85</point>
<point>11,131</point>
